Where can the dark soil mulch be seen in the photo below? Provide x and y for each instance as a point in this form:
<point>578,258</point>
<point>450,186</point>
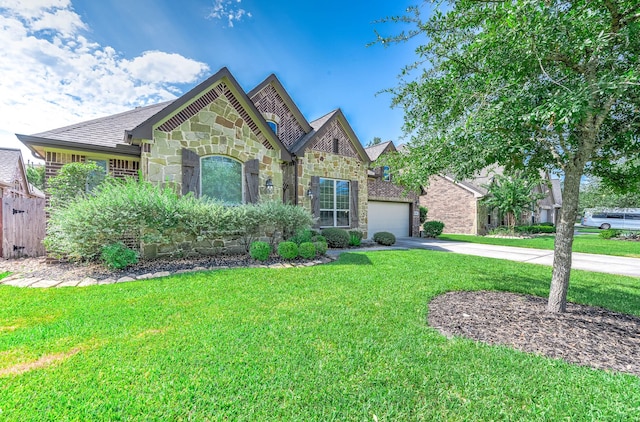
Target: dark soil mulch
<point>584,335</point>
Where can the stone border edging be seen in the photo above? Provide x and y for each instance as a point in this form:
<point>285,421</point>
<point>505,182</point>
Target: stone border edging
<point>23,280</point>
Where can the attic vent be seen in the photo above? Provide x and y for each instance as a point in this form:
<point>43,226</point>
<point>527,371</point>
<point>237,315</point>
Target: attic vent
<point>192,109</point>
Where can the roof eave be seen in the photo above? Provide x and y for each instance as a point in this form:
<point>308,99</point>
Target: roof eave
<point>120,149</point>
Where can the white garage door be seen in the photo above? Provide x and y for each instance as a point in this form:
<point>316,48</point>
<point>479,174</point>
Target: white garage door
<point>390,217</point>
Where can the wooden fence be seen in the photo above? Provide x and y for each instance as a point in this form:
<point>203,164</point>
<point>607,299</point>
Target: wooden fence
<point>22,227</point>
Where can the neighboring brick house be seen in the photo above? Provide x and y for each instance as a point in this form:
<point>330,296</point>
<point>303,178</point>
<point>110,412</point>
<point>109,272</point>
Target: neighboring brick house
<point>391,207</point>
<point>220,142</point>
<point>458,204</point>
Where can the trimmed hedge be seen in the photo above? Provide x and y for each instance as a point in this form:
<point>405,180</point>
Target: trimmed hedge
<point>541,228</point>
<point>432,228</point>
<point>321,248</point>
<point>384,238</point>
<point>336,238</point>
<point>307,250</point>
<point>288,250</point>
<point>260,251</point>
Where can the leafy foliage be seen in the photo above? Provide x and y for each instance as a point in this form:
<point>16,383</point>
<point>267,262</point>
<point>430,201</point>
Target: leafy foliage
<point>423,214</point>
<point>35,176</point>
<point>321,247</point>
<point>512,195</point>
<point>595,194</point>
<point>118,256</point>
<point>528,85</point>
<point>72,181</point>
<point>336,238</point>
<point>535,229</point>
<point>432,228</point>
<point>384,238</point>
<point>303,236</point>
<point>609,233</point>
<point>260,251</point>
<point>307,250</point>
<point>288,250</point>
<point>355,237</point>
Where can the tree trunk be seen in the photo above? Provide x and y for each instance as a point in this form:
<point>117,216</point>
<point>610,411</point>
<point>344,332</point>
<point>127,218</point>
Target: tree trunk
<point>564,240</point>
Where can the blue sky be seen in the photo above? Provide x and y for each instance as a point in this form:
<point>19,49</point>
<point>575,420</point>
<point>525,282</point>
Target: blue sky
<point>64,61</point>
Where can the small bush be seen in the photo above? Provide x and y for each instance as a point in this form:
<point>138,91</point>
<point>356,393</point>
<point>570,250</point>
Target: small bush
<point>117,256</point>
<point>384,238</point>
<point>501,231</point>
<point>336,238</point>
<point>355,237</point>
<point>535,229</point>
<point>321,248</point>
<point>260,251</point>
<point>288,250</point>
<point>307,250</point>
<point>423,214</point>
<point>302,236</point>
<point>319,238</point>
<point>609,233</point>
<point>433,228</point>
<point>546,224</point>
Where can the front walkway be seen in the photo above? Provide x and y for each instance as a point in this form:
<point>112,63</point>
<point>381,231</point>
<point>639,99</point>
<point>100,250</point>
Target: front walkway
<point>581,261</point>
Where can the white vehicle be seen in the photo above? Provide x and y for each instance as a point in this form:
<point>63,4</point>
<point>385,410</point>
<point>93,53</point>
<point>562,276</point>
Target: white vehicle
<point>615,218</point>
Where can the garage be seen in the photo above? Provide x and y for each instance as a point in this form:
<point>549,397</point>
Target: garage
<point>390,217</point>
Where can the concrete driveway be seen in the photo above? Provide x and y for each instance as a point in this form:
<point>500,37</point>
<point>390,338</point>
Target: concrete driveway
<point>581,261</point>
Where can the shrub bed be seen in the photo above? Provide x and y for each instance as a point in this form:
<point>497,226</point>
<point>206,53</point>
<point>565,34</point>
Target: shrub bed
<point>384,238</point>
<point>336,238</point>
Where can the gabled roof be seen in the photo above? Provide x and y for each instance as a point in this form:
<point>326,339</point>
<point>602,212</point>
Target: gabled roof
<point>317,128</point>
<point>275,82</point>
<point>144,130</point>
<point>376,151</point>
<point>10,164</point>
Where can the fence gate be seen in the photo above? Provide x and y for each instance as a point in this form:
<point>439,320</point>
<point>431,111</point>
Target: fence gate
<point>22,227</point>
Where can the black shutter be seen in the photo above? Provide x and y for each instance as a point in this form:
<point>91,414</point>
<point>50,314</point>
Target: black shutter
<point>190,172</point>
<point>315,199</point>
<point>251,177</point>
<point>355,219</point>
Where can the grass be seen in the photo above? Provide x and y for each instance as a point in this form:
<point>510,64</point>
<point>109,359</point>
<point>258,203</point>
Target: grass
<point>585,243</point>
<point>344,341</point>
<point>4,274</point>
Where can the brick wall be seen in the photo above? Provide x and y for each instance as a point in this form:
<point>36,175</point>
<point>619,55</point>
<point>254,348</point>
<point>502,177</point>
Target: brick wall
<point>379,190</point>
<point>455,206</point>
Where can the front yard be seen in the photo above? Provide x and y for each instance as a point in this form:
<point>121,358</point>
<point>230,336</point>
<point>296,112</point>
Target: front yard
<point>342,341</point>
<point>588,243</point>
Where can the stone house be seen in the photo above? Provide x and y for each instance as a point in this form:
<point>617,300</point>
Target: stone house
<point>458,204</point>
<point>220,142</point>
<point>391,207</point>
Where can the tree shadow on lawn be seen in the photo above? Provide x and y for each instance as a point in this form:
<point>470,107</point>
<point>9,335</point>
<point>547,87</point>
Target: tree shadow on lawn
<point>352,258</point>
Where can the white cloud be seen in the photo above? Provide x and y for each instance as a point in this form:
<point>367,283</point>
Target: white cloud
<point>52,75</point>
<point>229,10</point>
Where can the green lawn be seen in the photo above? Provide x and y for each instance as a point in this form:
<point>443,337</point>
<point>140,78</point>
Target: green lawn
<point>343,341</point>
<point>582,243</point>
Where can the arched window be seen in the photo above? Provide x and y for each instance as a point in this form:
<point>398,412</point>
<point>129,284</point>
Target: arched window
<point>221,179</point>
<point>273,125</point>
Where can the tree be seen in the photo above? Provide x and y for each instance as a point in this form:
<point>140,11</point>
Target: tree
<point>72,181</point>
<point>375,141</point>
<point>35,176</point>
<point>512,195</point>
<point>594,194</point>
<point>529,85</point>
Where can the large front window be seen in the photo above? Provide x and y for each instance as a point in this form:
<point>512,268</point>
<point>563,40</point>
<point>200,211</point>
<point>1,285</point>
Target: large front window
<point>221,179</point>
<point>334,203</point>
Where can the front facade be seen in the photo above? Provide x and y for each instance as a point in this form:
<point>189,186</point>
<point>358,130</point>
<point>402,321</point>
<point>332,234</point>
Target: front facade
<point>390,207</point>
<point>219,142</point>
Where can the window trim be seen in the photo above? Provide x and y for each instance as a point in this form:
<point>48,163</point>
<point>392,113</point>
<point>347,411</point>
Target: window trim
<point>335,202</point>
<point>242,184</point>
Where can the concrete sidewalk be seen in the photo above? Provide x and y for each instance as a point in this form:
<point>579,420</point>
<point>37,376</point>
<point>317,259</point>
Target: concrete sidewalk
<point>581,261</point>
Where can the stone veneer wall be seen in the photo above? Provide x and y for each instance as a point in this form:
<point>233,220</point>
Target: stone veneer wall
<point>333,166</point>
<point>379,190</point>
<point>217,129</point>
<point>455,206</point>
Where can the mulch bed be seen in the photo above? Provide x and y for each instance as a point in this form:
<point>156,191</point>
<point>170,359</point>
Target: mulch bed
<point>584,335</point>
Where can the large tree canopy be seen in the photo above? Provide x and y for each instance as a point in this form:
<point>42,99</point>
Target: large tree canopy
<point>531,85</point>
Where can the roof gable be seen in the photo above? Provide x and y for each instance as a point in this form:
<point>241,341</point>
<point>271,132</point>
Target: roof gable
<point>221,84</point>
<point>320,128</point>
<point>375,151</point>
<point>12,169</point>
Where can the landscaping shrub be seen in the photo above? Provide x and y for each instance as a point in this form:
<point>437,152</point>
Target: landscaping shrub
<point>284,219</point>
<point>307,250</point>
<point>548,224</point>
<point>321,248</point>
<point>319,238</point>
<point>423,214</point>
<point>336,238</point>
<point>433,228</point>
<point>72,181</point>
<point>355,237</point>
<point>384,238</point>
<point>288,250</point>
<point>117,256</point>
<point>260,251</point>
<point>302,236</point>
<point>609,233</point>
<point>535,229</point>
